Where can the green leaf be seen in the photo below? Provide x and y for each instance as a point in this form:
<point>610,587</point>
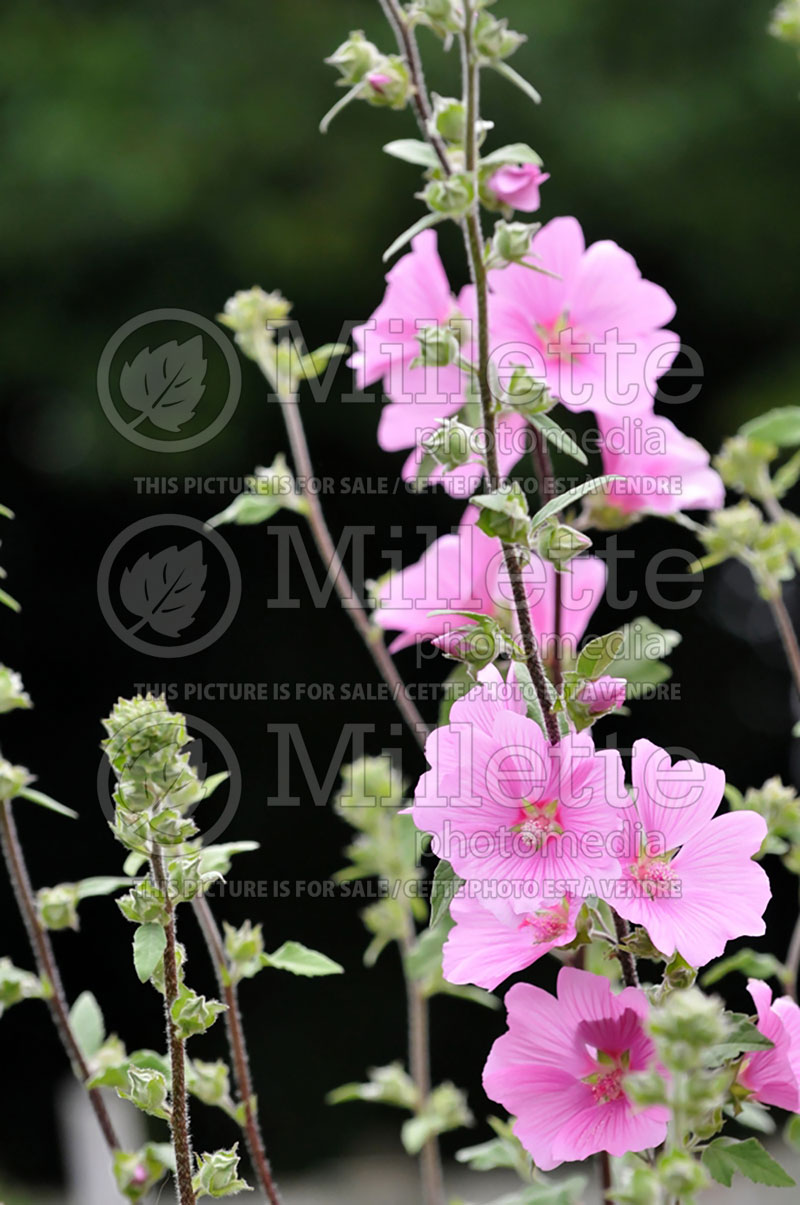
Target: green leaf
<point>101,885</point>
<point>315,362</point>
<point>444,886</point>
<point>390,1085</point>
<point>8,601</point>
<point>86,1020</point>
<point>564,1192</point>
<point>644,644</point>
<point>216,859</point>
<point>596,656</point>
<point>561,440</point>
<point>424,223</point>
<point>752,963</point>
<point>45,801</point>
<point>518,80</point>
<point>780,426</point>
<point>412,150</point>
<point>725,1156</point>
<point>555,505</point>
<point>299,960</point>
<point>515,152</point>
<point>743,1036</point>
<point>149,943</point>
<point>791,1133</point>
<point>752,1115</point>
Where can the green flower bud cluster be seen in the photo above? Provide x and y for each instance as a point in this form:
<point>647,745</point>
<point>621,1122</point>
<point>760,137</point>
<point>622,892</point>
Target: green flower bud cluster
<point>685,1026</point>
<point>505,514</point>
<point>218,1174</point>
<point>12,693</point>
<point>253,314</point>
<point>156,782</point>
<point>770,550</point>
<point>452,197</point>
<point>17,985</point>
<point>560,544</point>
<point>380,79</point>
<point>451,444</point>
<point>780,807</point>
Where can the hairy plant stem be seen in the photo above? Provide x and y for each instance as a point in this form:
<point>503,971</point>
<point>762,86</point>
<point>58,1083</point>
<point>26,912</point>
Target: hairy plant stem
<point>238,1048</point>
<point>48,967</point>
<point>407,45</point>
<point>474,247</point>
<point>419,1058</point>
<point>179,1113</point>
<point>626,960</point>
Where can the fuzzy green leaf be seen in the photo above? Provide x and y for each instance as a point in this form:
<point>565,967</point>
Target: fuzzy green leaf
<point>149,943</point>
<point>299,960</point>
<point>87,1024</point>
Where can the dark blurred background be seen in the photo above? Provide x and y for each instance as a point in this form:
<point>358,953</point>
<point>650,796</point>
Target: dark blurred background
<point>164,156</point>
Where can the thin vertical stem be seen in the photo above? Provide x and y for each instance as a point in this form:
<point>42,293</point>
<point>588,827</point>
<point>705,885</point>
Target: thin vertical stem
<point>179,1114</point>
<point>238,1048</point>
<point>48,967</point>
<point>419,1057</point>
<point>626,959</point>
<point>473,239</point>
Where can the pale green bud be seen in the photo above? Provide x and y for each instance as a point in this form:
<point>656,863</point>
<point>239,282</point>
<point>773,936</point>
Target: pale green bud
<point>451,444</point>
<point>244,947</point>
<point>505,514</point>
<point>686,1025</point>
<point>559,543</point>
<point>218,1174</point>
<point>452,197</point>
<point>58,906</point>
<point>12,779</point>
<point>494,40</point>
<point>681,1175</point>
<point>143,904</point>
<point>388,83</point>
<point>12,694</point>
<point>209,1082</point>
<point>449,119</point>
<point>646,1088</point>
<point>742,464</point>
<point>527,394</point>
<point>444,17</point>
<point>148,1090</point>
<point>511,243</point>
<point>438,346</point>
<point>194,1014</point>
<point>254,308</point>
<point>354,58</point>
<point>17,985</point>
<point>171,828</point>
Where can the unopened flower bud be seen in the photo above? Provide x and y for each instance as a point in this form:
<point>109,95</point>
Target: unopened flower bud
<point>526,394</point>
<point>449,119</point>
<point>452,197</point>
<point>354,58</point>
<point>218,1174</point>
<point>12,779</point>
<point>209,1082</point>
<point>438,347</point>
<point>12,694</point>
<point>17,985</point>
<point>250,312</point>
<point>194,1014</point>
<point>148,1090</point>
<point>444,17</point>
<point>136,1172</point>
<point>451,443</point>
<point>494,40</point>
<point>559,543</point>
<point>388,83</point>
<point>682,1175</point>
<point>686,1025</point>
<point>58,906</point>
<point>604,694</point>
<point>143,904</point>
<point>514,186</point>
<point>505,514</point>
<point>244,947</point>
<point>742,464</point>
<point>646,1088</point>
<point>511,243</point>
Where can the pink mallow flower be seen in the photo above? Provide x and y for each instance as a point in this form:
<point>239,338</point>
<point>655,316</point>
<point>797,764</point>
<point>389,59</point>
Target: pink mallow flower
<point>517,185</point>
<point>697,899</point>
<point>418,295</point>
<point>773,1076</point>
<point>561,1069</point>
<point>466,572</point>
<point>664,470</point>
<point>490,941</point>
<point>592,329</point>
<point>506,807</point>
<point>604,694</point>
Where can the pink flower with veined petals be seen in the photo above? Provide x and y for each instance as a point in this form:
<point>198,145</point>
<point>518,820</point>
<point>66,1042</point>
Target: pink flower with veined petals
<point>592,330</point>
<point>711,890</point>
<point>561,1069</point>
<point>466,572</point>
<point>490,941</point>
<point>518,185</point>
<point>604,694</point>
<point>773,1076</point>
<point>664,470</point>
<point>503,805</point>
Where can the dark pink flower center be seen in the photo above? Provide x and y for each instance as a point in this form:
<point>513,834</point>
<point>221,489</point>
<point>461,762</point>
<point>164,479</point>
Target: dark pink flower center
<point>538,822</point>
<point>608,1086</point>
<point>654,874</point>
<point>547,925</point>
